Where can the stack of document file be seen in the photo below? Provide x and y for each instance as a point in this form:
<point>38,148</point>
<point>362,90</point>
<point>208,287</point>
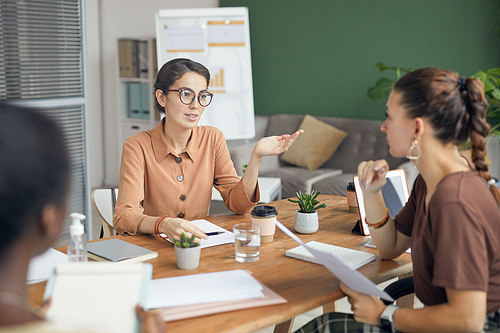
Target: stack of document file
<point>203,294</point>
<point>203,288</point>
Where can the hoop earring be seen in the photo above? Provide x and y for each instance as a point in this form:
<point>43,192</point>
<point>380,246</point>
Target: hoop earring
<point>414,152</point>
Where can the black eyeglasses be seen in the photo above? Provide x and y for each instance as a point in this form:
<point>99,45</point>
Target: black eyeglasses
<point>187,96</point>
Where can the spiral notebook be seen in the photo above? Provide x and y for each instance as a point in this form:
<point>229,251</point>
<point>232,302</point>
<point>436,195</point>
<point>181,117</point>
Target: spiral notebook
<point>352,258</point>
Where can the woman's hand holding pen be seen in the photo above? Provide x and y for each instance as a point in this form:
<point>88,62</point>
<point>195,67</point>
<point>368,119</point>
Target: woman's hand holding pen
<point>372,175</point>
<point>174,227</point>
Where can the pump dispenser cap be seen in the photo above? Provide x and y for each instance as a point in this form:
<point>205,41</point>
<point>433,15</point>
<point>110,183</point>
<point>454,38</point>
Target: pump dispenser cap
<point>76,227</point>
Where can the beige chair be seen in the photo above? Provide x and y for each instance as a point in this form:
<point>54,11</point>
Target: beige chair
<point>104,202</point>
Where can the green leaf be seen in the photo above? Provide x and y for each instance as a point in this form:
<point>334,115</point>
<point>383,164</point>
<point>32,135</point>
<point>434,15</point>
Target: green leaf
<point>323,205</point>
<point>381,89</point>
<point>381,66</point>
<point>191,240</point>
<point>315,194</point>
<point>495,93</point>
<point>490,79</point>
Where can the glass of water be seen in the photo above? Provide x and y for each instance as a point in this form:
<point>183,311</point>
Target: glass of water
<point>247,242</point>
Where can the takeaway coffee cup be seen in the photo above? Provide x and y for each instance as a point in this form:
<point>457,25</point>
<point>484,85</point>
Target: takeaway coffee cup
<point>265,216</point>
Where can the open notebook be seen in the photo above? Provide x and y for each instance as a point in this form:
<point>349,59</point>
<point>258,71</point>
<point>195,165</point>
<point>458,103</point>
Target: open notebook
<point>352,258</point>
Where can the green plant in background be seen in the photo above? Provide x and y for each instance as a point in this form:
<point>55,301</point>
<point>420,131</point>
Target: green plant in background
<point>245,167</point>
<point>490,79</point>
<point>383,87</point>
<point>491,82</point>
<point>307,201</point>
<point>186,242</point>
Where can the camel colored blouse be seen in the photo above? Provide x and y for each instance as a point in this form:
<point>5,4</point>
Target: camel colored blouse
<point>155,182</point>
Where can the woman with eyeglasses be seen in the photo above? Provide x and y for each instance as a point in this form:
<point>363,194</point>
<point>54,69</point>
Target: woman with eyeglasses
<point>451,220</point>
<point>167,173</point>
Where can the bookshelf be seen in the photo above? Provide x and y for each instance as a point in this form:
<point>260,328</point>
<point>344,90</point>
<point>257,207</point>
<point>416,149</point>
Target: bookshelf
<point>137,74</point>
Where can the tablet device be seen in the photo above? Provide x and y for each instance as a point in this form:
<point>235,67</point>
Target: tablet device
<point>395,193</point>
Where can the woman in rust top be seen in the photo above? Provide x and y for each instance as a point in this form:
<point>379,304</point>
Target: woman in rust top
<point>167,173</point>
<point>451,220</point>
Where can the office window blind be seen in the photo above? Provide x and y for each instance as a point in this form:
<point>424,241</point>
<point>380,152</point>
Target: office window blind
<point>41,64</point>
<point>40,49</point>
<point>71,120</point>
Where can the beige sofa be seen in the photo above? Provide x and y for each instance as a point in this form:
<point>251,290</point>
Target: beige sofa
<point>364,141</point>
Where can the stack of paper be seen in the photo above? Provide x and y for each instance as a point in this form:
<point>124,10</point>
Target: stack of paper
<point>203,288</point>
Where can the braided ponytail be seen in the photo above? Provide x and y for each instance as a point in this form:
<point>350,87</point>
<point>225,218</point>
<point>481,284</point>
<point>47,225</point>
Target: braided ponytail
<point>456,108</point>
<point>476,105</point>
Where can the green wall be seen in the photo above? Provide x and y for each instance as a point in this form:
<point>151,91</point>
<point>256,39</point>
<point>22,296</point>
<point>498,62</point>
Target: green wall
<point>318,56</point>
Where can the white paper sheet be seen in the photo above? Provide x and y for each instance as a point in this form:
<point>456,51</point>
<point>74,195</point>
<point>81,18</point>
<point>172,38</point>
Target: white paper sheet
<point>226,238</point>
<point>353,279</point>
<point>41,267</point>
<point>203,288</point>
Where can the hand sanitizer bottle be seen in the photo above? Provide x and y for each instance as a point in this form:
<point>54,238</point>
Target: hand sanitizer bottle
<point>77,249</point>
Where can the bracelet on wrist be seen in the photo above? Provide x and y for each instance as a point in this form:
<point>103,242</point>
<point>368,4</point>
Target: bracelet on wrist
<point>379,224</point>
<point>157,227</point>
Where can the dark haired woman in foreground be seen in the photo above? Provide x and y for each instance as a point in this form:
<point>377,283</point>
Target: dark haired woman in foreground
<point>451,221</point>
<point>34,179</point>
<point>167,173</point>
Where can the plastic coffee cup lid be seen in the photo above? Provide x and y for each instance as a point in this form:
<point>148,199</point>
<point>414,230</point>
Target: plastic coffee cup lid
<point>264,211</point>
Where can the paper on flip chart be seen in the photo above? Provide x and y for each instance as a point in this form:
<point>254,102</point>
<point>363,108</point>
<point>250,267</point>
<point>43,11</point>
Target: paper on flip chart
<point>226,238</point>
<point>351,278</point>
<point>203,288</point>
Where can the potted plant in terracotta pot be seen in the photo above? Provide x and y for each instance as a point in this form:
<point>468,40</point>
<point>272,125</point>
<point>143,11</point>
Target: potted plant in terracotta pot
<point>306,218</point>
<point>187,252</point>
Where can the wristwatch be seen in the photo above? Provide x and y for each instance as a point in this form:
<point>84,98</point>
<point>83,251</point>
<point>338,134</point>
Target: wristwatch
<point>386,321</point>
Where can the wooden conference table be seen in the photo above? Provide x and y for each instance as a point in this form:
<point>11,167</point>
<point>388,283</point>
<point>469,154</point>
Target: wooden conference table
<point>304,285</point>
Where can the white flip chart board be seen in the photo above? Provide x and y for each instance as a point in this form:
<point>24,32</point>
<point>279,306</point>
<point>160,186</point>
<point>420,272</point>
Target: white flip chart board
<point>218,38</point>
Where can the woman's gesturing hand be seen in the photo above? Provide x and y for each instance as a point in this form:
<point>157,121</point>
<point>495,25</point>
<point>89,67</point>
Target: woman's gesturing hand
<point>372,175</point>
<point>275,145</point>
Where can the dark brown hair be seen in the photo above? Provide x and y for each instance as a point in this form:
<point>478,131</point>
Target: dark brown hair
<point>34,169</point>
<point>456,110</point>
<point>172,71</point>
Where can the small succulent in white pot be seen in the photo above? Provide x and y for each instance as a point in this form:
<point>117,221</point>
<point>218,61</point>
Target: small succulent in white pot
<point>306,218</point>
